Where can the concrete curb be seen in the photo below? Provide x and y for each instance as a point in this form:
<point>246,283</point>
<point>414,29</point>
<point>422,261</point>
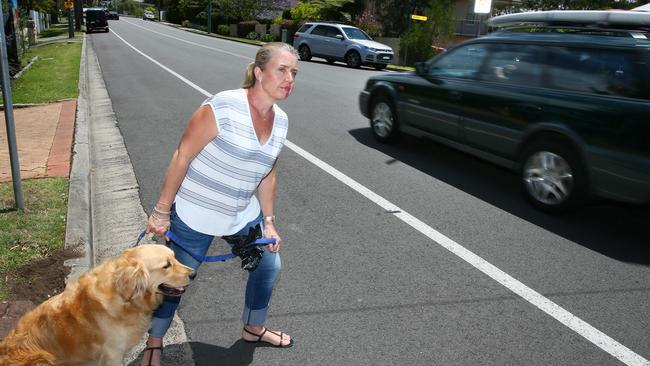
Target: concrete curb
<point>105,215</point>
<point>78,235</point>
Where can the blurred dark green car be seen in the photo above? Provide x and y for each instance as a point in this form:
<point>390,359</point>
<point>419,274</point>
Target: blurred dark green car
<point>567,106</point>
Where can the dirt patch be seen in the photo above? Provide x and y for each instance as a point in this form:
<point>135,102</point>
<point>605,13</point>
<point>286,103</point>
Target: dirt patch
<point>41,279</point>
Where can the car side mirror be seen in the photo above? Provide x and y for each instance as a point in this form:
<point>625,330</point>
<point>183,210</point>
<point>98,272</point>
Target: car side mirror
<point>339,36</point>
<point>420,68</point>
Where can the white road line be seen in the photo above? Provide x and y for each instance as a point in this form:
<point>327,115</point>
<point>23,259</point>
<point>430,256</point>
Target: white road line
<point>196,87</point>
<point>192,43</point>
<point>576,324</point>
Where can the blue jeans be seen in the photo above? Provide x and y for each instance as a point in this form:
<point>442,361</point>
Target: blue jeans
<point>258,288</point>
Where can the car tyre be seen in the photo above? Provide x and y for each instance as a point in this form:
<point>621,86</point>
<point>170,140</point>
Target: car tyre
<point>304,52</point>
<point>383,120</point>
<point>379,66</point>
<point>552,175</point>
<point>353,59</point>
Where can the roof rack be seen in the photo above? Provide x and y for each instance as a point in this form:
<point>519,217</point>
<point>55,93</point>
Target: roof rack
<point>638,34</point>
<point>619,20</point>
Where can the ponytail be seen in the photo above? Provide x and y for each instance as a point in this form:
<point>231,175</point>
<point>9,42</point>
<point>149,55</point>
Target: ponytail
<point>249,78</point>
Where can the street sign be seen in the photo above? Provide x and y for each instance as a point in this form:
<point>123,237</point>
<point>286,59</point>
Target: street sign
<point>68,4</point>
<point>418,17</point>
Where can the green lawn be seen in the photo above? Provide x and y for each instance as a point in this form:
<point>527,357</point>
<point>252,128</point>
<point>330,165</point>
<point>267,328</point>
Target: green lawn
<point>54,75</point>
<point>35,233</point>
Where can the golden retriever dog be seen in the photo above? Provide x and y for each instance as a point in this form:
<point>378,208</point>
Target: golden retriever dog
<point>101,315</point>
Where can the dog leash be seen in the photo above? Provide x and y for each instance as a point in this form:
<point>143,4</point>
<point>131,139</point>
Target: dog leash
<point>207,258</point>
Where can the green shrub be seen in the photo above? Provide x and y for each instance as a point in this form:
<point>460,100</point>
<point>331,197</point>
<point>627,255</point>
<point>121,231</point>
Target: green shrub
<point>267,38</point>
<point>185,23</point>
<point>253,35</point>
<point>223,29</point>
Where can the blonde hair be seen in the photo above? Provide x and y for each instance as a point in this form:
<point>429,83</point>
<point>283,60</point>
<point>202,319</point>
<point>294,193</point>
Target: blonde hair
<point>262,57</point>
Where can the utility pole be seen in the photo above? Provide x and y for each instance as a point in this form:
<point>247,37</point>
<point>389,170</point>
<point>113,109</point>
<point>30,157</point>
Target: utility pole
<point>9,116</point>
<point>209,16</point>
<point>78,14</point>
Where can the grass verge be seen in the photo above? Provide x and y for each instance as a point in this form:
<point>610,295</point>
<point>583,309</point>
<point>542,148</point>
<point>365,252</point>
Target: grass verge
<point>54,30</point>
<point>54,75</point>
<point>37,232</point>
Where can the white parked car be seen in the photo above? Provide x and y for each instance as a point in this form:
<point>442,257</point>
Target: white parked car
<point>148,15</point>
<point>341,42</point>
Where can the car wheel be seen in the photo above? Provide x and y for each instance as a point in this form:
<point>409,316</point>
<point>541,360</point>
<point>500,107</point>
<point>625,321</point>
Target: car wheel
<point>352,59</point>
<point>330,61</point>
<point>304,52</point>
<point>552,176</point>
<point>383,120</point>
<point>380,66</point>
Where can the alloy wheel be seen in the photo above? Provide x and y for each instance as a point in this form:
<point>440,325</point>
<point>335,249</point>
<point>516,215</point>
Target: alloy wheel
<point>548,178</point>
<point>382,120</point>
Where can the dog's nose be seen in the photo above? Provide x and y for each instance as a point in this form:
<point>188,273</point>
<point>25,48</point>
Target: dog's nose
<point>192,274</point>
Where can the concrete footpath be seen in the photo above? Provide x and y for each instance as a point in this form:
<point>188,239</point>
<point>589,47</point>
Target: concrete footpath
<point>104,215</point>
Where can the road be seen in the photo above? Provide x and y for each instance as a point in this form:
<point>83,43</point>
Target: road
<point>404,254</point>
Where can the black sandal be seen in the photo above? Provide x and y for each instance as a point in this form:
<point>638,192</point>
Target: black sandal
<point>151,353</point>
<point>259,338</point>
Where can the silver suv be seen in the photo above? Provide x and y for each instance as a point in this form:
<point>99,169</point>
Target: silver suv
<point>340,42</point>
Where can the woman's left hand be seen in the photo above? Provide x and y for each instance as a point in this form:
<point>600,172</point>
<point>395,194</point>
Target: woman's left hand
<point>270,232</point>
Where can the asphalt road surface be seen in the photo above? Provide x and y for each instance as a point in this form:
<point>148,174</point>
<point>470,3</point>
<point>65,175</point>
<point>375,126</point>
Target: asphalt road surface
<point>402,254</point>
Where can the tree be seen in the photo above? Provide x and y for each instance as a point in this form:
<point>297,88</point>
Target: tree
<point>324,9</point>
<point>303,12</point>
<point>417,42</point>
<point>395,15</point>
<point>249,9</point>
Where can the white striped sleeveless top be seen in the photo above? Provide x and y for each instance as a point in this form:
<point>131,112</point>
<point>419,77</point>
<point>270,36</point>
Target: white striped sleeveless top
<point>217,196</point>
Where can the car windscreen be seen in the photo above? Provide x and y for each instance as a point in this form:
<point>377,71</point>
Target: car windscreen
<point>356,33</point>
<point>95,15</point>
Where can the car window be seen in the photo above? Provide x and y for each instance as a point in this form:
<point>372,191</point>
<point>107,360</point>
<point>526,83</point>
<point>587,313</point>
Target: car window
<point>515,64</point>
<point>95,15</point>
<point>304,28</point>
<point>356,33</point>
<point>320,30</point>
<point>463,62</point>
<point>597,71</point>
<point>333,32</point>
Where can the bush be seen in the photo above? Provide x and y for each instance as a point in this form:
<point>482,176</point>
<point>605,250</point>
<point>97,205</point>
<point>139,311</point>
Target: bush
<point>369,23</point>
<point>223,29</point>
<point>416,44</point>
<point>303,12</point>
<point>267,38</point>
<point>253,35</point>
<point>185,23</point>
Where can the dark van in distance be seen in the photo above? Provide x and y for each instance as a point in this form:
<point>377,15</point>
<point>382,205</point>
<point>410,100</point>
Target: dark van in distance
<point>561,97</point>
<point>96,20</point>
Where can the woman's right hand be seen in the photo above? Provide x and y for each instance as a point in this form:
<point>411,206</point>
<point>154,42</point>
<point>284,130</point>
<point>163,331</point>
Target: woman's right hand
<point>158,222</point>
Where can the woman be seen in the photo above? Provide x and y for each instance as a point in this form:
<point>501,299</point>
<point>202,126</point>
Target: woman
<point>227,153</point>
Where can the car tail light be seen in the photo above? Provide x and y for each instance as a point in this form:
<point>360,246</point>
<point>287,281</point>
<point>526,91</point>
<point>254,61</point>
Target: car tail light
<point>296,35</point>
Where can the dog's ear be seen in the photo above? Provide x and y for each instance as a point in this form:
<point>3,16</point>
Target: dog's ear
<point>131,278</point>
